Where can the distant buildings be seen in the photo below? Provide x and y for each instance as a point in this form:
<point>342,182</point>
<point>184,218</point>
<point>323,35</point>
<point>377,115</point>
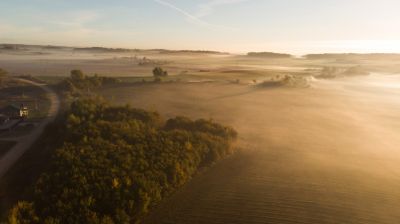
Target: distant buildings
<point>23,111</point>
<point>14,112</point>
<point>11,115</point>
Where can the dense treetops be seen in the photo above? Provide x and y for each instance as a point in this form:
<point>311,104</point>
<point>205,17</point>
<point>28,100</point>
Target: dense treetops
<point>78,82</point>
<point>117,162</point>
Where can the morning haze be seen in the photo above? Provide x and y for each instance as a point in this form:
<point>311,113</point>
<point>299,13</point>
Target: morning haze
<point>298,27</point>
<point>204,111</point>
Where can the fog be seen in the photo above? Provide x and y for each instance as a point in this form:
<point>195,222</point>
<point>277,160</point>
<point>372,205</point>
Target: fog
<point>322,151</point>
<point>324,154</point>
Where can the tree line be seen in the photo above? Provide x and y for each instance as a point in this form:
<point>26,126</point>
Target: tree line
<point>78,82</point>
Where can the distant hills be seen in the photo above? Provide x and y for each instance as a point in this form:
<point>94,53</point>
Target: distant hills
<point>105,50</point>
<point>353,56</point>
<point>334,56</point>
<point>18,47</point>
<point>163,51</point>
<point>27,47</point>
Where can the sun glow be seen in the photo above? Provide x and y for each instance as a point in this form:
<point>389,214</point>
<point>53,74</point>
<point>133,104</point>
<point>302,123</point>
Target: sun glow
<point>359,46</point>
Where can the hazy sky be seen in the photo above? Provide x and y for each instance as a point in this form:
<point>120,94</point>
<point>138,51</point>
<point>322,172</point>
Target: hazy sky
<point>295,26</point>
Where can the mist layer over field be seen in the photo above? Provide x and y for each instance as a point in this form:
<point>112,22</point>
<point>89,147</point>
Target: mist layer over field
<point>324,154</point>
<point>319,135</point>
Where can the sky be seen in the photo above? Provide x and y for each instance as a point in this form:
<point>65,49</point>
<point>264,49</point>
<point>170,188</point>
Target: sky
<point>293,26</point>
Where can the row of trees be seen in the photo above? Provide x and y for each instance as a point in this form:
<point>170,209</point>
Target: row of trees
<point>333,72</point>
<point>78,82</point>
<point>117,162</point>
<point>268,55</point>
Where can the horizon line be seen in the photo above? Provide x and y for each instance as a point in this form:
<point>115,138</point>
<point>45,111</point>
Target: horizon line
<point>205,50</point>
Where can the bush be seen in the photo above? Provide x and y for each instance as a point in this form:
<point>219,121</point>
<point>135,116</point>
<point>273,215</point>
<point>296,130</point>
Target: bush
<point>294,81</point>
<point>159,72</point>
<point>23,213</point>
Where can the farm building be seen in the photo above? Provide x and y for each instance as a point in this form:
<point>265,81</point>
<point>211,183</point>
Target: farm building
<point>15,112</point>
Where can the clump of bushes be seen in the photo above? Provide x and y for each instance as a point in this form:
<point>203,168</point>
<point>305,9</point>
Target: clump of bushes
<point>118,162</point>
<point>334,72</point>
<point>329,72</point>
<point>287,81</point>
<point>356,71</point>
<point>78,82</point>
<point>159,73</point>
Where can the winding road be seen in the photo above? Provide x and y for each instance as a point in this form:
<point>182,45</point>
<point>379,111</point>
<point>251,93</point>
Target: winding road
<point>24,143</point>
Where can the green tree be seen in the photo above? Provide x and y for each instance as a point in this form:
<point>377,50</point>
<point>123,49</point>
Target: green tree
<point>158,72</point>
<point>23,213</point>
<point>77,75</point>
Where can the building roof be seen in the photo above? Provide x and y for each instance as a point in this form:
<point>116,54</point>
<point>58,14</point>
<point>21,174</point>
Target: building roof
<point>10,108</point>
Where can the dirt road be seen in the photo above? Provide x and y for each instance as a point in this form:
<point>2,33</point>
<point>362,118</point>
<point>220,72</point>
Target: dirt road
<point>325,155</point>
<point>24,143</point>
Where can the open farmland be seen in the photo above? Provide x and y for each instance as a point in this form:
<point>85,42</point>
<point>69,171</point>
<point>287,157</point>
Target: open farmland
<point>337,164</point>
<point>318,137</point>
